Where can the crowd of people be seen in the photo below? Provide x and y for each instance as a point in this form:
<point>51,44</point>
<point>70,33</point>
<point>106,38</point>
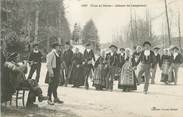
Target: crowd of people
<point>129,67</point>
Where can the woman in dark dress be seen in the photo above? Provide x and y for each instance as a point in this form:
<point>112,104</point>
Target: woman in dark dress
<point>127,80</point>
<point>100,72</point>
<point>76,74</point>
<point>165,66</point>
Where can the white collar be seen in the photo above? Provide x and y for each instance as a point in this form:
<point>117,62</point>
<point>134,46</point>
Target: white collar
<point>175,55</point>
<point>88,50</point>
<point>122,54</point>
<point>147,52</point>
<point>55,51</point>
<point>155,54</point>
<point>36,51</point>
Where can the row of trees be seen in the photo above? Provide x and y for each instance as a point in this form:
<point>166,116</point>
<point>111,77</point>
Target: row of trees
<point>88,34</point>
<point>24,22</point>
<point>135,34</point>
<point>140,30</point>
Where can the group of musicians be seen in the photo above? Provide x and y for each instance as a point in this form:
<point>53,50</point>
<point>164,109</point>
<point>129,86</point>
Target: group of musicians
<point>129,67</point>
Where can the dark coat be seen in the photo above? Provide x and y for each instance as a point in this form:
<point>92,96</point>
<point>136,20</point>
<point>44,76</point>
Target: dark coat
<point>11,81</point>
<point>121,60</point>
<point>149,60</point>
<point>88,56</point>
<point>100,60</point>
<point>157,58</point>
<point>35,57</point>
<point>77,76</point>
<point>68,55</point>
<point>165,58</point>
<point>178,59</point>
<point>114,60</point>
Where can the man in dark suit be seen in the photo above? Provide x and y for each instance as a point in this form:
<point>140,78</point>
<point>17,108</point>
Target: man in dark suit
<point>88,66</point>
<point>113,65</point>
<point>67,57</point>
<point>121,57</point>
<point>35,62</point>
<point>147,62</point>
<point>177,60</point>
<point>156,62</point>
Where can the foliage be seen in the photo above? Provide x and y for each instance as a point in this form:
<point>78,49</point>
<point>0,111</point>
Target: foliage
<point>18,17</point>
<point>90,35</point>
<point>136,33</point>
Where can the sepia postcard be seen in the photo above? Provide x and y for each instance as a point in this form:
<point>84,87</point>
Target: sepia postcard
<point>91,58</point>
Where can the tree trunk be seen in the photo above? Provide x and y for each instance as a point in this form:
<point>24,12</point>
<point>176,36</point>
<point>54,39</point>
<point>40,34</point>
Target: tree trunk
<point>168,25</point>
<point>179,28</point>
<point>37,23</point>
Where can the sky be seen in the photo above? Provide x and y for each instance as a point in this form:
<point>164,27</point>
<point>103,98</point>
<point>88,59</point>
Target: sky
<point>110,20</point>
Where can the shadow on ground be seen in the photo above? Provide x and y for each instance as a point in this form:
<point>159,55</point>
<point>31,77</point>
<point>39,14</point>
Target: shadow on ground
<point>36,112</point>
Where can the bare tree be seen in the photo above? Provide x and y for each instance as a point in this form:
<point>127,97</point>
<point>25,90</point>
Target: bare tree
<point>179,29</point>
<point>168,25</point>
<point>37,20</point>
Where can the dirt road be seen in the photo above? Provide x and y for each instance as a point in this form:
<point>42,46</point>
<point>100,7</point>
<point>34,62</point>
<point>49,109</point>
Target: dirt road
<point>162,101</point>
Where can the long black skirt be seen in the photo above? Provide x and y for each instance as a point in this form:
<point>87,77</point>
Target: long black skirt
<point>77,76</point>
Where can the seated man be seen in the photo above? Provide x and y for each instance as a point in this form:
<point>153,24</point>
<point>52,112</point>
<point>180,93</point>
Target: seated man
<point>16,80</point>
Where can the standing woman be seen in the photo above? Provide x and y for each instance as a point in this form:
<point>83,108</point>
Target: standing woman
<point>165,66</point>
<point>53,74</point>
<point>99,72</point>
<point>76,73</point>
<point>127,80</point>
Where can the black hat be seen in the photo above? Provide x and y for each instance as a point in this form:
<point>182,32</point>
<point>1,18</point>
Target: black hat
<point>175,48</point>
<point>55,44</point>
<point>156,48</point>
<point>12,56</point>
<point>36,44</point>
<point>113,46</point>
<point>147,42</point>
<point>122,49</point>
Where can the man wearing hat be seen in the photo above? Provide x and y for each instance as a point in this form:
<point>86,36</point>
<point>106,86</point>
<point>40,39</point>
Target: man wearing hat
<point>121,57</point>
<point>53,73</point>
<point>88,66</point>
<point>177,60</point>
<point>156,62</point>
<point>67,57</point>
<point>35,59</point>
<point>113,65</point>
<point>15,79</point>
<point>147,62</point>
